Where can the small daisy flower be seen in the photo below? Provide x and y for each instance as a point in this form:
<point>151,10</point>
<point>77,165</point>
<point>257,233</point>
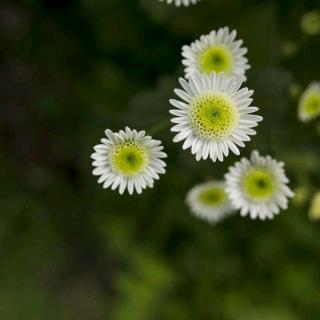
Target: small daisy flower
<point>209,201</point>
<point>216,52</point>
<point>179,3</point>
<point>309,103</point>
<point>213,116</point>
<point>128,160</point>
<point>258,187</point>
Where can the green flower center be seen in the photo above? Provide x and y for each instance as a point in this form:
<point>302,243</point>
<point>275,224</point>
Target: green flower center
<point>311,105</point>
<point>259,184</point>
<point>213,116</point>
<point>129,158</point>
<point>213,196</point>
<point>217,58</point>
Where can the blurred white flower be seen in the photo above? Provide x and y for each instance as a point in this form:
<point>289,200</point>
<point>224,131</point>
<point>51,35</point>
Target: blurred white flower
<point>209,201</point>
<point>314,210</point>
<point>213,116</point>
<point>128,160</point>
<point>219,51</point>
<point>258,187</point>
<point>310,23</point>
<point>309,103</point>
<point>179,3</point>
<point>301,195</point>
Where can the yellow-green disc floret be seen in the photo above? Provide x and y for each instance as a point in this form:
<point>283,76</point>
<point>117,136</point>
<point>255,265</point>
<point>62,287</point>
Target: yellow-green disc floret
<point>129,158</point>
<point>213,116</point>
<point>259,184</point>
<point>216,59</point>
<point>213,196</point>
<point>311,105</point>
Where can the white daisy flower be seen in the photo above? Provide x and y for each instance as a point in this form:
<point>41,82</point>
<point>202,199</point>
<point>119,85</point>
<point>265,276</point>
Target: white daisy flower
<point>216,52</point>
<point>258,187</point>
<point>209,201</point>
<point>128,160</point>
<point>179,3</point>
<point>309,103</point>
<point>213,116</point>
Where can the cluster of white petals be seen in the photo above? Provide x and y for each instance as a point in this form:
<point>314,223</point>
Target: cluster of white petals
<point>213,116</point>
<point>258,186</point>
<point>218,51</point>
<point>179,3</point>
<point>209,201</point>
<point>128,159</point>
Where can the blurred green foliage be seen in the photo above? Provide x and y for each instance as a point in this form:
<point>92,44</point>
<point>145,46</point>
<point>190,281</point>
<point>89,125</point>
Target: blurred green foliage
<point>70,250</point>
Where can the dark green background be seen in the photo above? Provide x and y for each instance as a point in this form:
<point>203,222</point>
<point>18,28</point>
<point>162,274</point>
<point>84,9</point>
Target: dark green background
<point>71,250</point>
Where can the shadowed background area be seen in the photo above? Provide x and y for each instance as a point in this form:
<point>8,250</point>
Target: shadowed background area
<point>71,250</point>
